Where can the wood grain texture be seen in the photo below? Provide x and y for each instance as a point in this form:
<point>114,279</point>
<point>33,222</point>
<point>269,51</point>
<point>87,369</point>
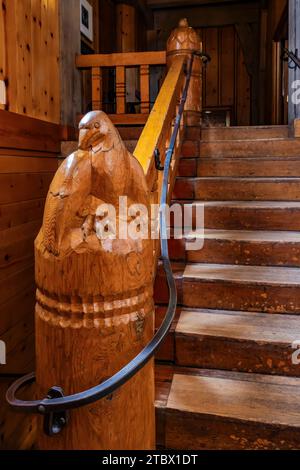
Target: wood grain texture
<point>94,297</point>
<point>202,408</point>
<point>243,341</point>
<point>32,51</point>
<point>25,133</point>
<point>247,288</point>
<point>217,188</point>
<point>250,215</point>
<point>16,430</point>
<point>240,148</point>
<point>240,247</point>
<point>121,59</point>
<point>256,166</point>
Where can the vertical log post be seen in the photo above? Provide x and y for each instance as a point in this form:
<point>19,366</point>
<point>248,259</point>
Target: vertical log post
<point>182,41</point>
<point>94,304</point>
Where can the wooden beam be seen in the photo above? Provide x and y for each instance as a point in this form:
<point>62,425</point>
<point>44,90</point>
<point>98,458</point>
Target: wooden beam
<point>121,59</point>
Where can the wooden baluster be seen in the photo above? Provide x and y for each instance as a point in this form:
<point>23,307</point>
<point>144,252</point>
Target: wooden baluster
<point>96,88</point>
<point>94,309</point>
<point>120,89</point>
<point>145,89</point>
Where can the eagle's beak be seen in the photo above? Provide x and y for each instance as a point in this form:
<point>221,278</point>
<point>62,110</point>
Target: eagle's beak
<point>84,139</point>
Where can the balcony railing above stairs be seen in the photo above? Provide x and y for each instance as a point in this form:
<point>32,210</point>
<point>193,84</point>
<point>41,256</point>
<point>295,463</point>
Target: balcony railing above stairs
<point>119,61</point>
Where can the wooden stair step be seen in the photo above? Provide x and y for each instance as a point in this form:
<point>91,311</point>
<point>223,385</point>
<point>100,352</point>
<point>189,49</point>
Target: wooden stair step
<point>243,341</point>
<point>256,166</point>
<point>203,409</point>
<point>241,189</point>
<point>212,134</point>
<point>247,288</point>
<point>249,215</point>
<point>247,247</point>
<point>247,148</point>
<point>161,290</point>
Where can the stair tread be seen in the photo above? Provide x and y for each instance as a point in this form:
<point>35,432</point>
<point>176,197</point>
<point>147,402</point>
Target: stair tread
<point>242,396</point>
<point>259,179</point>
<point>247,140</point>
<point>248,204</point>
<point>250,326</point>
<point>243,274</point>
<point>247,235</point>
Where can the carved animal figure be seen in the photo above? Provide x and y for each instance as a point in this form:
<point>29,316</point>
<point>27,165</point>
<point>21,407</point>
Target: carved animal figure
<point>99,172</point>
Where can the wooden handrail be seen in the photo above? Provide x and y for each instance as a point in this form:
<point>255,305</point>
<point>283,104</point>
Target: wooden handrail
<point>127,59</point>
<point>156,136</point>
<point>159,123</point>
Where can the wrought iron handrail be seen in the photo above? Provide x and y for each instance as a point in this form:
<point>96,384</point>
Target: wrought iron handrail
<point>289,56</point>
<point>54,407</point>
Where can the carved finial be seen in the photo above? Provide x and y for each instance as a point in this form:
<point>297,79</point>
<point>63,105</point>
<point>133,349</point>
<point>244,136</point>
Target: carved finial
<point>183,23</point>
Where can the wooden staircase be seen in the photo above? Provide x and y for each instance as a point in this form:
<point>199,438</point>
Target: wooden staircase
<point>225,376</point>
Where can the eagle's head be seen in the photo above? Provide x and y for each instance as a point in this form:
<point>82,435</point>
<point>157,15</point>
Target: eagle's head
<point>97,132</point>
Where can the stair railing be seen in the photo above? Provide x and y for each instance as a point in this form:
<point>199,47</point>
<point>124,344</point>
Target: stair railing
<point>158,151</point>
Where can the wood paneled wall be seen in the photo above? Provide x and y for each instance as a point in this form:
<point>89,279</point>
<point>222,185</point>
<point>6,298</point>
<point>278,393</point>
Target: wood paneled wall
<point>29,57</point>
<point>28,161</point>
<point>274,112</point>
<point>226,80</point>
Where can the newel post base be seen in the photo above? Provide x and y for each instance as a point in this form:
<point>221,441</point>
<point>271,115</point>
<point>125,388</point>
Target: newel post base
<point>182,41</point>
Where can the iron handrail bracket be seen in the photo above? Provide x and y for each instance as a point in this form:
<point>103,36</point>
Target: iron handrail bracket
<point>56,404</point>
<point>290,56</point>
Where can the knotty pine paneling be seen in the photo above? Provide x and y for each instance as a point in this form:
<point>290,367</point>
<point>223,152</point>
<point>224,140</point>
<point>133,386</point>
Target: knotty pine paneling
<point>226,82</point>
<point>29,57</point>
<point>28,162</point>
<point>17,431</point>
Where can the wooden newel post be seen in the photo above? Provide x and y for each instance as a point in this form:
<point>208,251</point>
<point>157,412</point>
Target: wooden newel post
<point>182,41</point>
<point>94,303</point>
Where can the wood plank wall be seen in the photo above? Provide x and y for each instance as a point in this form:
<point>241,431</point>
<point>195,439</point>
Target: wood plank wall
<point>273,89</point>
<point>28,161</point>
<point>29,57</point>
<point>226,81</point>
